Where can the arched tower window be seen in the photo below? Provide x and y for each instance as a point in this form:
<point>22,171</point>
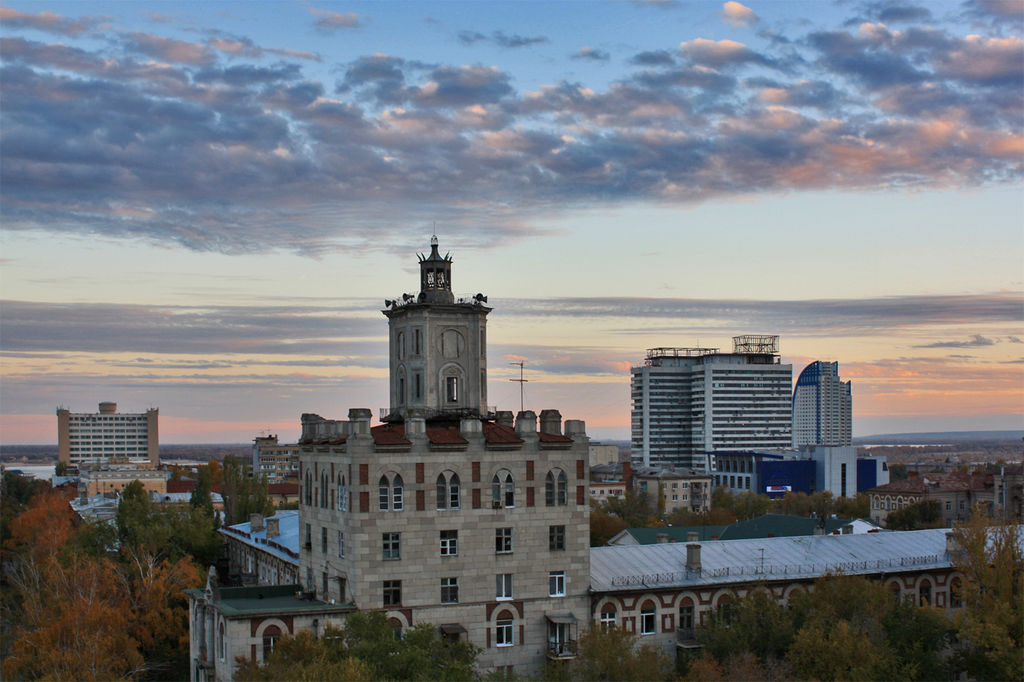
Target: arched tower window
<point>342,493</point>
<point>448,491</point>
<point>503,489</point>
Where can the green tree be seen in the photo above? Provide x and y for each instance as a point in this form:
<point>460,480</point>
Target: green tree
<point>991,623</point>
<point>634,508</point>
<point>60,468</point>
<point>244,494</point>
<point>897,472</point>
<point>757,623</point>
<point>166,531</point>
<point>366,649</point>
<point>916,516</point>
<point>660,510</point>
<point>613,654</point>
<point>603,526</point>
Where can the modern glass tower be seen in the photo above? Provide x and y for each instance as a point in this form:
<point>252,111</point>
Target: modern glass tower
<point>822,406</point>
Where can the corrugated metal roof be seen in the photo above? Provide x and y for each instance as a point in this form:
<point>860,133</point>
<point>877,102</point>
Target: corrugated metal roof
<point>284,546</point>
<point>632,567</point>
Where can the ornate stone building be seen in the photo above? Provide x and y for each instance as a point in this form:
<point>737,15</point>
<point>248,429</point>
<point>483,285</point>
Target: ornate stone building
<point>449,512</point>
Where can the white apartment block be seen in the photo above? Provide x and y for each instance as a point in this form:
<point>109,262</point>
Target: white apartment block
<point>822,406</point>
<point>691,401</point>
<point>94,438</point>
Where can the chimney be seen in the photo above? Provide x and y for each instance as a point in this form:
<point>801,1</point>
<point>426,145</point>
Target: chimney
<point>526,422</point>
<point>360,421</point>
<point>692,536</point>
<point>661,538</point>
<point>693,557</point>
<point>627,474</point>
<point>953,547</point>
<point>470,428</point>
<point>504,418</point>
<point>550,421</point>
<point>575,428</point>
<point>273,527</point>
<point>255,522</point>
<point>415,426</point>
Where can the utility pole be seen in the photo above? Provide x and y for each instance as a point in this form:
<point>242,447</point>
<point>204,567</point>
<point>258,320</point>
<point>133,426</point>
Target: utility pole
<point>520,381</point>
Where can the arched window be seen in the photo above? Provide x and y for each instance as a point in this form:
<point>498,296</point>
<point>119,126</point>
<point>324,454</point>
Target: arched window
<point>325,501</point>
<point>390,493</point>
<point>956,600</point>
<point>220,642</point>
<point>504,633</point>
<point>648,618</point>
<point>556,488</point>
<point>342,493</point>
<point>685,624</point>
<point>397,494</point>
<point>309,488</point>
<point>503,489</point>
<point>270,636</point>
<point>448,493</point>
<point>924,593</point>
<point>608,617</point>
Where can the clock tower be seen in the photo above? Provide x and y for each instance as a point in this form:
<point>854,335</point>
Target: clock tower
<point>438,347</point>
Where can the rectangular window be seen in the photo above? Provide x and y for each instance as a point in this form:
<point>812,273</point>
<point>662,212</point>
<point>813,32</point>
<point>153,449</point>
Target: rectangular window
<point>556,584</point>
<point>502,540</point>
<point>451,388</point>
<point>416,346</point>
<point>556,538</point>
<point>418,386</point>
<point>341,544</point>
<point>449,542</point>
<point>449,590</point>
<point>392,592</point>
<point>323,540</point>
<point>391,546</point>
<point>324,582</point>
<point>309,536</point>
<point>503,633</point>
<point>503,586</point>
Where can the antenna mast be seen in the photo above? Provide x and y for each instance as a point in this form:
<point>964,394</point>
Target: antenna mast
<point>520,381</point>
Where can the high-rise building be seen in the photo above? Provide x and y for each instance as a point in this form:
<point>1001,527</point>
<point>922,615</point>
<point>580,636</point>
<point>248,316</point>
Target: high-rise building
<point>822,406</point>
<point>691,401</point>
<point>276,462</point>
<point>108,436</point>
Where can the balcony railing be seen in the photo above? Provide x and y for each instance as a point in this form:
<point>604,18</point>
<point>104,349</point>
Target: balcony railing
<point>562,650</point>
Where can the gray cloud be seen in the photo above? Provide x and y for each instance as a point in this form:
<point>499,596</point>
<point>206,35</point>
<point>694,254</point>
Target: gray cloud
<point>48,22</point>
<point>332,21</point>
<point>976,341</point>
<point>501,39</point>
<point>591,54</point>
<point>210,145</point>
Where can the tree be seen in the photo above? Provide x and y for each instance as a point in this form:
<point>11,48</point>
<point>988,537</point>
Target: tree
<point>60,468</point>
<point>366,649</point>
<point>613,654</point>
<point>991,623</point>
<point>916,516</point>
<point>634,508</point>
<point>604,526</point>
<point>757,623</point>
<point>243,493</point>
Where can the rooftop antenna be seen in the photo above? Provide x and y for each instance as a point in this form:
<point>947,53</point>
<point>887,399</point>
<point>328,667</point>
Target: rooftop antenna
<point>520,381</point>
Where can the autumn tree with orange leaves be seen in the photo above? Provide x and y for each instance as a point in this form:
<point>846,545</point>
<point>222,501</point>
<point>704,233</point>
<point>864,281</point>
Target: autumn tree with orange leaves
<point>72,613</point>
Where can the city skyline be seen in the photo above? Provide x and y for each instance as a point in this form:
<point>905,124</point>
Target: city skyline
<point>203,211</point>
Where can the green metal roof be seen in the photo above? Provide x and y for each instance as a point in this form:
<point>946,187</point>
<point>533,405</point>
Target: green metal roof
<point>236,602</point>
<point>779,526</point>
<point>649,536</point>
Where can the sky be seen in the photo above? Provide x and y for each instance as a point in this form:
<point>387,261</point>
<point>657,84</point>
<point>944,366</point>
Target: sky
<point>203,205</point>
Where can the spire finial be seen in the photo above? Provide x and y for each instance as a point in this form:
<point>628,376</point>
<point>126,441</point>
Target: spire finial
<point>433,240</point>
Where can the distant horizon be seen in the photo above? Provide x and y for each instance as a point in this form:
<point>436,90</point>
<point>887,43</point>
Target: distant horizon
<point>1013,434</point>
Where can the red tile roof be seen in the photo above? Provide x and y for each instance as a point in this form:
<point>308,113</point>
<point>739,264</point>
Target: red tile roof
<point>553,438</point>
<point>498,434</point>
<point>182,486</point>
<point>283,488</point>
<point>389,434</point>
<point>445,435</point>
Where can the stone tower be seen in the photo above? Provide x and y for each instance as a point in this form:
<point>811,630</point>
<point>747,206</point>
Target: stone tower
<point>438,347</point>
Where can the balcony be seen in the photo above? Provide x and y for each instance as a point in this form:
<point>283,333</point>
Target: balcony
<point>562,651</point>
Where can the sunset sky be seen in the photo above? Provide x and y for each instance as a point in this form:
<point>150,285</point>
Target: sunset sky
<point>204,205</point>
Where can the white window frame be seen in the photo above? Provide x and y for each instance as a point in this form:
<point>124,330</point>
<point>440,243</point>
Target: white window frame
<point>503,541</point>
<point>504,632</point>
<point>556,584</point>
<point>504,587</point>
<point>653,623</point>
<point>450,545</point>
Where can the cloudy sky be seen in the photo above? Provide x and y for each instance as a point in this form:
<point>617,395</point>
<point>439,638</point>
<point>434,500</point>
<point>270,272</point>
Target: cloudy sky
<point>205,204</point>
